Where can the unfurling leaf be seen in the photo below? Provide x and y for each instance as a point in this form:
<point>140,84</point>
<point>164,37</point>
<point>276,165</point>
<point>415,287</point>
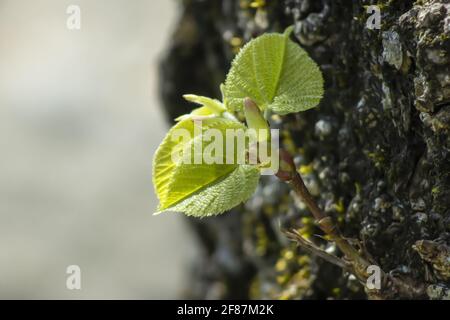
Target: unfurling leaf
<point>215,106</point>
<point>276,73</point>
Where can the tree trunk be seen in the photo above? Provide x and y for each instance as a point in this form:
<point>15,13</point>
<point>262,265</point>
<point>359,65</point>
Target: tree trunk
<point>375,153</point>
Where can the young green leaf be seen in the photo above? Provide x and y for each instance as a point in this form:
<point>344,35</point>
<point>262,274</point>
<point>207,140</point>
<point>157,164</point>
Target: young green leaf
<point>276,73</point>
<point>209,107</point>
<point>225,194</point>
<point>178,183</point>
<point>215,106</point>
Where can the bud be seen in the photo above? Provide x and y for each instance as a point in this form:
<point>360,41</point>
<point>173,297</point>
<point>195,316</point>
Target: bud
<point>256,121</point>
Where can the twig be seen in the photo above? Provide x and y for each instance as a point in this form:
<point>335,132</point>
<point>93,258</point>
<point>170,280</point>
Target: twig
<point>357,264</point>
<point>289,174</point>
<point>313,249</point>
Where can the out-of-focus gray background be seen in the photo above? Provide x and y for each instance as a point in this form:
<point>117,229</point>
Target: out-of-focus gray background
<point>79,123</point>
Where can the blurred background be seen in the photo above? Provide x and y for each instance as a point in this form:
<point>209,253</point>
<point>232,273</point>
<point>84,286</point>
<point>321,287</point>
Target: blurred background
<point>79,123</point>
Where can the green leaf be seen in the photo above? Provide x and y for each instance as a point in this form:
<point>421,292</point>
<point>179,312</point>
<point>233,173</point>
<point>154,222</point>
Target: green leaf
<point>235,188</point>
<point>209,107</point>
<point>177,182</point>
<point>275,73</point>
<point>198,112</point>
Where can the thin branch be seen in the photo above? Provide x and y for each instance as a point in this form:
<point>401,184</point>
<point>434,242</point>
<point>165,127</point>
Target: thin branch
<point>313,249</point>
<point>357,264</point>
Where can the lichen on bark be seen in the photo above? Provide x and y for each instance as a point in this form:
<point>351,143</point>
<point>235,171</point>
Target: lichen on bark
<point>375,153</point>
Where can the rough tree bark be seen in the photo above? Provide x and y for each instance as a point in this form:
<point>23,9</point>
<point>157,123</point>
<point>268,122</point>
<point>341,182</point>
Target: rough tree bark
<point>375,153</point>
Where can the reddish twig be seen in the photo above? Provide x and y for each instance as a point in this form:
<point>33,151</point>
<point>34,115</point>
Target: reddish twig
<point>357,263</point>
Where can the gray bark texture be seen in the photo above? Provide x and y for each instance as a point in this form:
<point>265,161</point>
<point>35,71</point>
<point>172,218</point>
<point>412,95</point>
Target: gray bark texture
<point>374,154</point>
